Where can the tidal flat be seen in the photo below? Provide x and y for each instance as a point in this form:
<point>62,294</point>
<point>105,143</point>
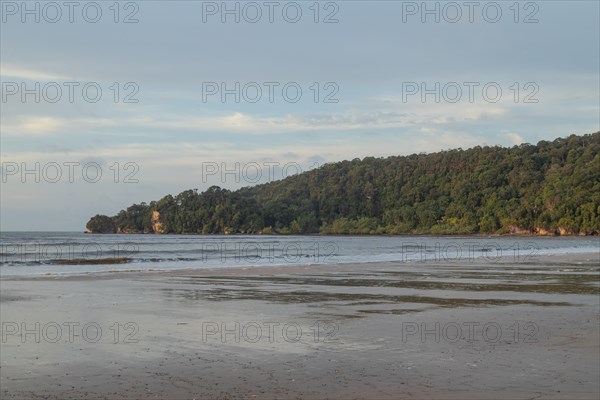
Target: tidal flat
<point>419,330</point>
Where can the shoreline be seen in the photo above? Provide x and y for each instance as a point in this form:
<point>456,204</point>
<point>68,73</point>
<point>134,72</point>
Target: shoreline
<point>465,235</point>
<point>532,234</point>
<point>295,267</point>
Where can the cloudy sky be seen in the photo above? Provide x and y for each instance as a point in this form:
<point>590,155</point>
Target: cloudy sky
<point>163,96</point>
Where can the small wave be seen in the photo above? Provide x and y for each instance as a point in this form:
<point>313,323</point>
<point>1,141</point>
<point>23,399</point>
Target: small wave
<point>155,260</point>
<point>83,261</point>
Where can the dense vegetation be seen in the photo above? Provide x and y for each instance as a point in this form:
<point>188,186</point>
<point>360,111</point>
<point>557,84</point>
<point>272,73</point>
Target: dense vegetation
<point>548,188</point>
<point>101,223</point>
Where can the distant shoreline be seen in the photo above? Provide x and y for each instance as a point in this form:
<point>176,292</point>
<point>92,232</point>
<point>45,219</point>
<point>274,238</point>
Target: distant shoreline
<point>353,234</point>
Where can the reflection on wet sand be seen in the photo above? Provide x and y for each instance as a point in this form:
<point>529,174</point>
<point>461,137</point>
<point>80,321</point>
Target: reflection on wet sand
<point>384,330</point>
<point>436,285</point>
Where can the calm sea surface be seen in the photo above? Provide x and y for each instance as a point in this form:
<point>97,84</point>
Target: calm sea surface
<point>41,253</point>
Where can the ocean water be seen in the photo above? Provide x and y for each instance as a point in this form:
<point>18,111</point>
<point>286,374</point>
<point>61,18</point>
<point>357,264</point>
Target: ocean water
<point>59,253</point>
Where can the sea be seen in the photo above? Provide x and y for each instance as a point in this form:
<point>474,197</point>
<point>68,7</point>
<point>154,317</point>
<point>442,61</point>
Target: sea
<point>75,253</point>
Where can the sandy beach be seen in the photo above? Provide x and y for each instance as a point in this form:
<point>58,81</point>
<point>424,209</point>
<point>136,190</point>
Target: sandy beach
<point>468,330</point>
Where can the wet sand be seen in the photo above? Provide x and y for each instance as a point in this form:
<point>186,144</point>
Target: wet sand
<point>471,330</point>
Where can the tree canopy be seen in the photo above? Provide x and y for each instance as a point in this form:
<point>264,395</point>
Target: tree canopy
<point>552,187</point>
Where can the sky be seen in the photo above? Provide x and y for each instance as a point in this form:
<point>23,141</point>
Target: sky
<point>105,104</point>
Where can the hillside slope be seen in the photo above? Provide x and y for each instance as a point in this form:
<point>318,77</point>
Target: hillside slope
<point>548,188</point>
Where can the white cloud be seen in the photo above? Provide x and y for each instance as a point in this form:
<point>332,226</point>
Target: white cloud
<point>424,118</point>
<point>514,138</point>
<point>234,123</point>
<point>9,70</point>
<point>240,122</point>
<point>36,125</point>
<point>33,126</point>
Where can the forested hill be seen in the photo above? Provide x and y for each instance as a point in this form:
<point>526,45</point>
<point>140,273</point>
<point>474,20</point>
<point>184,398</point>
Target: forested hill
<point>548,188</point>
